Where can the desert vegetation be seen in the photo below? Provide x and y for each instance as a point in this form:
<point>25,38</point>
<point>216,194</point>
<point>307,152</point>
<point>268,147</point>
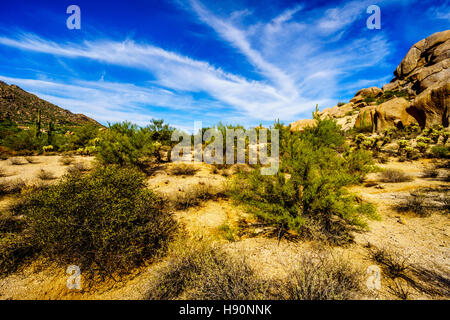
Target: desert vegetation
<point>106,222</point>
<point>113,205</point>
<point>308,193</point>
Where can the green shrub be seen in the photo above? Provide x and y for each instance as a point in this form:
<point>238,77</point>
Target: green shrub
<point>106,222</point>
<point>15,249</point>
<point>24,140</point>
<point>83,136</point>
<point>440,151</point>
<point>309,188</point>
<point>124,144</point>
<point>160,132</point>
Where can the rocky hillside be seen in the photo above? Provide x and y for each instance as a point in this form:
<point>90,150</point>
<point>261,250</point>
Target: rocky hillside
<point>22,107</point>
<point>419,93</point>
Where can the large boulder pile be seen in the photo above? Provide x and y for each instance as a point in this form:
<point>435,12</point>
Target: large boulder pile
<point>419,92</point>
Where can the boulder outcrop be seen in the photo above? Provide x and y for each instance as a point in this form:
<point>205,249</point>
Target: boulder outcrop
<point>418,93</point>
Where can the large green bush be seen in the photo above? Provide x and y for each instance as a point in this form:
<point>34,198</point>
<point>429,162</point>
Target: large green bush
<point>106,222</point>
<point>308,192</point>
<point>441,151</point>
<point>125,144</point>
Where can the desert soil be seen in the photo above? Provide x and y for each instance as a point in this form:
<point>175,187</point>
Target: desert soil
<point>424,241</point>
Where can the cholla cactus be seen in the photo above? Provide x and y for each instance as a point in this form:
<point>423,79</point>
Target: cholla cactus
<point>359,139</point>
<point>422,146</point>
<point>386,140</point>
<point>409,152</point>
<point>435,135</point>
<point>48,148</point>
<point>445,136</point>
<point>368,144</point>
<point>426,132</point>
<point>425,140</point>
<point>415,128</point>
<point>402,144</point>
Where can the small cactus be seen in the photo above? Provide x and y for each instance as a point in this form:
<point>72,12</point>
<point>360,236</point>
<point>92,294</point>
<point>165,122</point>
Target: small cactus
<point>422,146</point>
<point>359,139</point>
<point>402,144</point>
<point>409,152</point>
<point>426,132</point>
<point>435,135</point>
<point>425,140</point>
<point>445,136</point>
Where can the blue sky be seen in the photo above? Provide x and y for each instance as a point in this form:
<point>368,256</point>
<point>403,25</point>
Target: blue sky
<point>246,62</point>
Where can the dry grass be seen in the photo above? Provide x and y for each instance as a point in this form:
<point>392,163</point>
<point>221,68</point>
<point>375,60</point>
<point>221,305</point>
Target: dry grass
<point>30,160</point>
<point>395,176</point>
<point>196,195</point>
<point>203,272</point>
<point>394,264</point>
<point>430,172</point>
<point>66,160</point>
<point>78,167</point>
<point>46,175</point>
<point>11,187</point>
<point>183,169</point>
<point>317,275</point>
<point>3,173</point>
<point>16,161</point>
<point>414,203</point>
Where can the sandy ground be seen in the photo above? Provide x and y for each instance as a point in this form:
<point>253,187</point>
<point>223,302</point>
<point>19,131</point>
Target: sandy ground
<point>423,240</point>
<point>28,172</point>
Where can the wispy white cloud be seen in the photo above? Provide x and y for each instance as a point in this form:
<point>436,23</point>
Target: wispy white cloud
<point>440,12</point>
<point>298,68</point>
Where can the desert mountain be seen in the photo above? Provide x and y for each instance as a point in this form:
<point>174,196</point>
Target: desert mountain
<point>419,93</point>
<point>22,107</point>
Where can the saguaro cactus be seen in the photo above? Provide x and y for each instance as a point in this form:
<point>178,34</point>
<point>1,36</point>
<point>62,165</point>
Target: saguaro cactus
<point>37,124</point>
<point>51,129</point>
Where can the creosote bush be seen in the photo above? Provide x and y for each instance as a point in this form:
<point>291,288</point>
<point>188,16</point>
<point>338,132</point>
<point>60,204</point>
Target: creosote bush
<point>105,222</point>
